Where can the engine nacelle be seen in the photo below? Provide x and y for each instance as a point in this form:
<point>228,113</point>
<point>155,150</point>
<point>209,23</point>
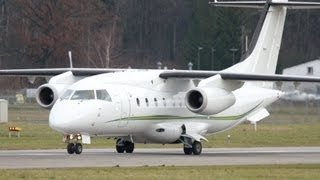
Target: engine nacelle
<point>208,101</point>
<point>48,94</point>
<point>163,133</point>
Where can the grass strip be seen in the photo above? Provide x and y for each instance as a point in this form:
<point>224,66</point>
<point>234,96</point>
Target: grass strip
<point>162,172</point>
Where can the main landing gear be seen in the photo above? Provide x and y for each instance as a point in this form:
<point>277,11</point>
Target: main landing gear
<point>190,147</point>
<point>124,146</point>
<point>195,149</point>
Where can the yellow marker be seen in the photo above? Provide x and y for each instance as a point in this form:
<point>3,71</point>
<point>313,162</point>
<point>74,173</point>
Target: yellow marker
<point>17,129</point>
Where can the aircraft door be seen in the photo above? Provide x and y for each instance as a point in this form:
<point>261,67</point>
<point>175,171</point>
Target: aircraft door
<point>125,108</point>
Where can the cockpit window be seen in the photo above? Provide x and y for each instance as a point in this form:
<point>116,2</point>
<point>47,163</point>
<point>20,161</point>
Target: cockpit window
<point>83,95</point>
<point>67,94</point>
<point>103,95</point>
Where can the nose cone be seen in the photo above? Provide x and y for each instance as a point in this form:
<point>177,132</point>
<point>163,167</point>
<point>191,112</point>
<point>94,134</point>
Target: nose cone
<point>72,116</point>
<point>61,116</point>
<point>66,117</point>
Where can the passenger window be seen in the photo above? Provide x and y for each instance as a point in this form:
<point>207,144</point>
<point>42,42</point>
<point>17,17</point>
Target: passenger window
<point>155,101</point>
<point>83,95</point>
<point>66,95</point>
<point>138,101</point>
<point>147,102</point>
<point>103,95</point>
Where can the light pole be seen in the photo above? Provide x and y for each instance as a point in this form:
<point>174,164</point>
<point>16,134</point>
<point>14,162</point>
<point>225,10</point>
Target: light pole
<point>159,65</point>
<point>233,50</point>
<point>199,49</point>
<point>190,65</point>
<point>212,57</point>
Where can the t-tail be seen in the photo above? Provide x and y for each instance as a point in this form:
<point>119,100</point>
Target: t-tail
<point>262,56</point>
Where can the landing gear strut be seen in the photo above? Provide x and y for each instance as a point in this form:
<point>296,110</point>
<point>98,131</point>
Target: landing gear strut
<point>74,148</point>
<point>123,145</point>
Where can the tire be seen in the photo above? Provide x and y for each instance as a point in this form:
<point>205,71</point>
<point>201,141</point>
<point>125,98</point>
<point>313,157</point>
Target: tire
<point>120,148</point>
<point>129,146</point>
<point>187,151</point>
<point>196,148</point>
<point>70,148</point>
<point>78,148</point>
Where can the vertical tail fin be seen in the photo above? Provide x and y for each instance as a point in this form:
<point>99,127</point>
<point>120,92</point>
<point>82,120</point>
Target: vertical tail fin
<point>263,53</point>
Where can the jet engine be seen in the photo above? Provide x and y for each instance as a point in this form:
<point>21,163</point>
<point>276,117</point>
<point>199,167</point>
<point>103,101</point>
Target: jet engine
<point>163,133</point>
<point>208,101</point>
<point>48,94</point>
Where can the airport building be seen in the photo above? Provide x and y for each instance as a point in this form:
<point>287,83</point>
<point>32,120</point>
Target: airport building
<point>311,68</point>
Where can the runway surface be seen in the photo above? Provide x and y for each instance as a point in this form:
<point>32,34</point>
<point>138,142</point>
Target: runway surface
<point>15,159</point>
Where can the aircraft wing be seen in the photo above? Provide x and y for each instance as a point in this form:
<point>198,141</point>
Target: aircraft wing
<point>57,71</point>
<point>184,74</point>
<point>236,76</point>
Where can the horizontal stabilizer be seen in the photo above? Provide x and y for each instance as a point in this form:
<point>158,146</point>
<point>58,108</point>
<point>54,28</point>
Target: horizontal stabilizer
<point>261,4</point>
<point>241,4</point>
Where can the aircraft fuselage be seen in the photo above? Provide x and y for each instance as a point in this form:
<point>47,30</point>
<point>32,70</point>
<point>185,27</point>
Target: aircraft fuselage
<point>142,103</point>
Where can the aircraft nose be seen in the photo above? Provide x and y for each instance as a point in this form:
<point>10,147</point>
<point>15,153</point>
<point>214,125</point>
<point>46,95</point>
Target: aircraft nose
<point>71,117</point>
<point>58,121</point>
<point>62,117</point>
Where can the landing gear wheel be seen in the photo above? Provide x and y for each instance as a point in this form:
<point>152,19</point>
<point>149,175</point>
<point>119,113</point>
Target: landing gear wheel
<point>129,146</point>
<point>196,148</point>
<point>120,147</point>
<point>70,148</point>
<point>78,148</point>
<point>187,151</point>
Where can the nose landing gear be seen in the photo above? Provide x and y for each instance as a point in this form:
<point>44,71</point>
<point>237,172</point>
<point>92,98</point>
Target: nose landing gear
<point>73,147</point>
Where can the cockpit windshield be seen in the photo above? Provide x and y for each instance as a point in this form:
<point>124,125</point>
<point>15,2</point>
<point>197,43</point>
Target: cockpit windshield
<point>102,94</point>
<point>67,94</point>
<point>83,95</point>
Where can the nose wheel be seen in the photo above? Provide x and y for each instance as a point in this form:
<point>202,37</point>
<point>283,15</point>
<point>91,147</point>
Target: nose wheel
<point>74,148</point>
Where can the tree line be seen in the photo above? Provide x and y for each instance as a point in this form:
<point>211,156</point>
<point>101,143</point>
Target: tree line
<point>139,33</point>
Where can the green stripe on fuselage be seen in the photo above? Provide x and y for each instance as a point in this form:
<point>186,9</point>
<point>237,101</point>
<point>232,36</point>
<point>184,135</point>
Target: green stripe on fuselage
<point>170,117</point>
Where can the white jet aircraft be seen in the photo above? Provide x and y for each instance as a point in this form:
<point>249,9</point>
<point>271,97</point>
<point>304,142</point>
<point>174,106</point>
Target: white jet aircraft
<point>168,106</point>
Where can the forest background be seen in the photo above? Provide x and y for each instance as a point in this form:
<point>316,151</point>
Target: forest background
<point>140,33</point>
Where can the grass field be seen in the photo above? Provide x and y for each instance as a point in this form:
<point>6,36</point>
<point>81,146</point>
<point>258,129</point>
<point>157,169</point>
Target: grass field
<point>200,172</point>
<point>40,136</point>
<point>276,130</point>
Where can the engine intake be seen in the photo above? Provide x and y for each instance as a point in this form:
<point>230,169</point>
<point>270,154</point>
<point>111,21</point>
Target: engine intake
<point>47,95</point>
<point>208,101</point>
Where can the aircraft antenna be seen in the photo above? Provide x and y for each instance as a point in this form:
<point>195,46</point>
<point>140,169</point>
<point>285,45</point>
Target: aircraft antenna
<point>70,59</point>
